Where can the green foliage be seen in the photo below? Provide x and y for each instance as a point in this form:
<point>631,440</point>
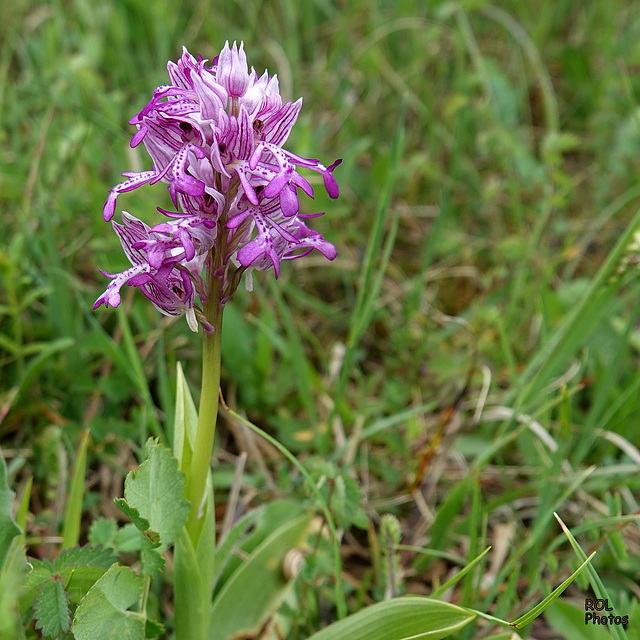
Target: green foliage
<point>568,619</point>
<point>240,609</point>
<point>51,586</point>
<point>51,609</point>
<point>474,328</point>
<point>407,617</point>
<point>108,610</point>
<point>73,515</point>
<point>8,528</point>
<point>153,496</point>
<point>341,492</point>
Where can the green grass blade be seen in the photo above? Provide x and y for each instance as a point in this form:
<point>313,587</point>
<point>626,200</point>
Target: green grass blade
<point>461,574</point>
<point>73,510</point>
<point>524,620</point>
<point>576,328</point>
<point>337,562</point>
<point>370,281</point>
<point>598,587</point>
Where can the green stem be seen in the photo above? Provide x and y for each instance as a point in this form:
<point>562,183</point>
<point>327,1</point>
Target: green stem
<point>208,411</point>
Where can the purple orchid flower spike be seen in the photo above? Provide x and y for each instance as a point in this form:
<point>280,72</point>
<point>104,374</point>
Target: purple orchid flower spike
<point>215,137</point>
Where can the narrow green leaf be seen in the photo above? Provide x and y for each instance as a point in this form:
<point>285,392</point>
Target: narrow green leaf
<point>103,531</point>
<point>73,510</point>
<point>39,361</point>
<point>185,422</point>
<point>13,606</point>
<point>23,507</point>
<point>156,490</point>
<point>399,619</point>
<point>579,324</point>
<point>78,579</point>
<point>463,572</point>
<point>225,551</point>
<point>598,587</point>
<point>8,528</point>
<point>240,609</point>
<point>192,599</point>
<point>337,562</point>
<point>51,610</point>
<point>524,620</point>
<point>105,611</point>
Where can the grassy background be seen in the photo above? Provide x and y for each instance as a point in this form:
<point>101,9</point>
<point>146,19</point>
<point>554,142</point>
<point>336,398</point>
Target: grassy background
<point>467,357</point>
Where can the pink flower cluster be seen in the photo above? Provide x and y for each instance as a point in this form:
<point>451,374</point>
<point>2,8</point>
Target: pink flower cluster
<point>215,136</point>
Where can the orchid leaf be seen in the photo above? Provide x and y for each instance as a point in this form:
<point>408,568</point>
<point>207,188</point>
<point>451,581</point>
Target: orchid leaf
<point>412,617</point>
<point>241,609</point>
<point>8,528</point>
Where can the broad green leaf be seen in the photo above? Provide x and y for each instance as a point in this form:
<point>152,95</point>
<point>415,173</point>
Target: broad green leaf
<point>412,617</point>
<point>105,611</point>
<point>192,594</point>
<point>51,610</point>
<point>73,510</point>
<point>194,573</point>
<point>264,522</point>
<point>87,555</point>
<point>8,528</point>
<point>12,577</point>
<point>239,531</point>
<point>103,531</point>
<point>156,490</point>
<point>255,590</point>
<point>153,629</point>
<point>79,579</point>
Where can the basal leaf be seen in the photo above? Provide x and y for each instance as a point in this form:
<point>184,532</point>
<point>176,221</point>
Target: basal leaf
<point>51,609</point>
<point>105,611</point>
<point>412,617</point>
<point>240,609</point>
<point>8,528</point>
<point>156,490</point>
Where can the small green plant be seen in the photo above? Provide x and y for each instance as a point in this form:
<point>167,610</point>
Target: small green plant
<point>463,370</point>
